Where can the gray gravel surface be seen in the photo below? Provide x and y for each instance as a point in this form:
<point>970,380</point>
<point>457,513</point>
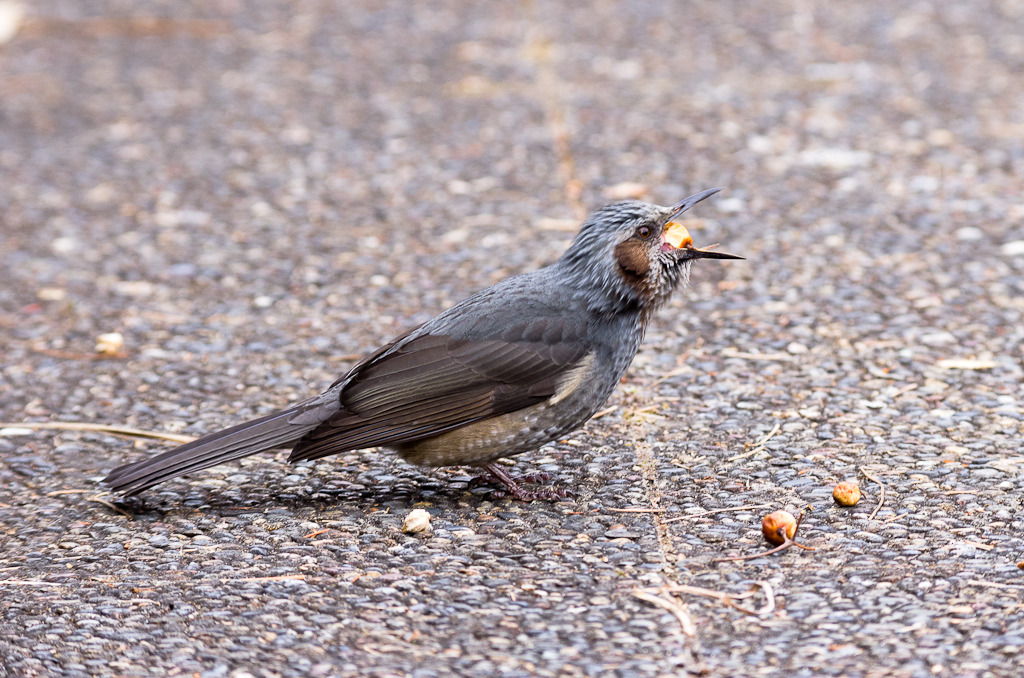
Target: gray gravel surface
<point>254,192</point>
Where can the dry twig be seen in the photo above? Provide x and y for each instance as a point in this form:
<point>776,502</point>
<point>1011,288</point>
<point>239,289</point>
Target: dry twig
<point>283,577</point>
<point>316,533</point>
<point>720,510</point>
<point>769,595</point>
<point>733,353</point>
<point>881,498</point>
<point>979,545</point>
<point>781,547</point>
<point>75,355</point>
<point>112,507</point>
<point>96,499</point>
<point>759,445</point>
<point>137,26</point>
<point>636,509</point>
<point>676,608</point>
<point>673,373</point>
<point>905,390</point>
<point>98,428</point>
<point>993,584</point>
<point>730,599</point>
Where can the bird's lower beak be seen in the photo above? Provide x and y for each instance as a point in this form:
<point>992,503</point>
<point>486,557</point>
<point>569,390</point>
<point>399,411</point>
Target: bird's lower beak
<point>676,238</point>
<point>705,253</point>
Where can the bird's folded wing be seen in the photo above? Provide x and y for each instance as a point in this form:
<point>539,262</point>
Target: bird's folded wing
<point>435,383</point>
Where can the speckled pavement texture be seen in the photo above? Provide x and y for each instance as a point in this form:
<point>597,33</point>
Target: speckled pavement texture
<point>255,193</point>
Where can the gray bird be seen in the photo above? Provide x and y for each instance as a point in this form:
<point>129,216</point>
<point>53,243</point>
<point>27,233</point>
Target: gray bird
<point>514,366</point>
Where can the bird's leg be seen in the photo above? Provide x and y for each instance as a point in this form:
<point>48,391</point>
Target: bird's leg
<point>516,490</point>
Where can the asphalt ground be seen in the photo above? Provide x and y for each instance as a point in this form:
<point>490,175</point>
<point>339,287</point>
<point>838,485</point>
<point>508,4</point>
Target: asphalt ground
<point>255,193</point>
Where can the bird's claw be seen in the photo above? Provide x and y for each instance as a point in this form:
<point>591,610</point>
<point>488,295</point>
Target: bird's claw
<point>513,485</point>
<point>549,493</point>
<point>488,478</point>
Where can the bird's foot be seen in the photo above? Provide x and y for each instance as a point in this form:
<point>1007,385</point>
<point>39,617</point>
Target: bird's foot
<point>514,488</point>
<point>533,478</point>
<point>489,477</point>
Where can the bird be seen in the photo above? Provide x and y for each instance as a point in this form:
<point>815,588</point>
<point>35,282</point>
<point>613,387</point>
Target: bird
<point>514,366</point>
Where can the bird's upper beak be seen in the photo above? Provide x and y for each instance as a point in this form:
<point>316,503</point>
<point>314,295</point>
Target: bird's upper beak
<point>675,237</point>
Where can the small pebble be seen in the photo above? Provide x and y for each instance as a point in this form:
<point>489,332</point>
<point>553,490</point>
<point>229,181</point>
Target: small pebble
<point>417,521</point>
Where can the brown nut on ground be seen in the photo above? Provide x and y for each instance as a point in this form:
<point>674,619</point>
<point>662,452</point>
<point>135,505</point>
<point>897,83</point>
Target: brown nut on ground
<point>778,527</point>
<point>847,493</point>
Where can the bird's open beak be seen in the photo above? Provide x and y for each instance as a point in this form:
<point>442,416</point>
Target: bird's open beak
<point>675,236</point>
<point>677,239</point>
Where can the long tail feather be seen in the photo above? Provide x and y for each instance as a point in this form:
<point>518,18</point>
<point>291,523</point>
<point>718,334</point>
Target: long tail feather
<point>266,433</point>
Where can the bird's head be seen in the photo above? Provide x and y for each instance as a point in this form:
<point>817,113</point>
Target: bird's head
<point>634,254</point>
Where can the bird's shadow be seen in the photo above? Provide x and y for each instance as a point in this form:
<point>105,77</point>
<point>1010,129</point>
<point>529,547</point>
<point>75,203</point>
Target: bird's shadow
<point>455,491</point>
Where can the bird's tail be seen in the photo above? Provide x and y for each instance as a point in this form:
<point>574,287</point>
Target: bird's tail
<point>280,429</point>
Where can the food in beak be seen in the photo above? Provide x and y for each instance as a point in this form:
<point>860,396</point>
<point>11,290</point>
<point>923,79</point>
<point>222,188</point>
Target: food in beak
<point>676,235</point>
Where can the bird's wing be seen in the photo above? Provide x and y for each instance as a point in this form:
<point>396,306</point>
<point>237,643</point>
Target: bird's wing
<point>434,383</point>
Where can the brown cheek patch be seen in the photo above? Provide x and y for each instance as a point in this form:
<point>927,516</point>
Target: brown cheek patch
<point>632,258</point>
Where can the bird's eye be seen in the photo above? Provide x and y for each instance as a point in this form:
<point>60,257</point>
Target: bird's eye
<point>644,232</point>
